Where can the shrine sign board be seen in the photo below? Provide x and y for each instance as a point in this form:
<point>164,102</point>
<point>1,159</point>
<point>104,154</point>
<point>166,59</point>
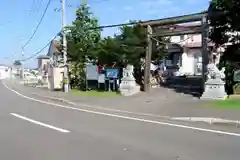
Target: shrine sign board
<point>236,79</point>
<point>91,72</point>
<point>236,76</point>
<point>112,73</point>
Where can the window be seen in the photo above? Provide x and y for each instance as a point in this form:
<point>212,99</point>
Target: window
<point>181,37</point>
<point>192,38</point>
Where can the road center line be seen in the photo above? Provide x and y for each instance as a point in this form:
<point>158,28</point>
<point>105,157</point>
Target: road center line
<point>40,123</point>
<point>126,117</point>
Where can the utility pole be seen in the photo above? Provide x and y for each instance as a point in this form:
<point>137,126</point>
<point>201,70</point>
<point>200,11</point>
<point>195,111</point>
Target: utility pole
<point>65,76</point>
<point>205,52</point>
<point>148,59</point>
<point>22,64</point>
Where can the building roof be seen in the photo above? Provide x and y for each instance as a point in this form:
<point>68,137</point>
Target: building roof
<point>43,57</point>
<point>55,48</point>
<point>4,65</point>
<point>197,44</point>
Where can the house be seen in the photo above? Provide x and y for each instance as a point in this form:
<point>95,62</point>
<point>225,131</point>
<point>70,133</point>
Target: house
<point>54,67</point>
<point>43,66</point>
<point>185,53</point>
<point>42,62</point>
<point>55,53</point>
<point>16,68</point>
<point>5,71</point>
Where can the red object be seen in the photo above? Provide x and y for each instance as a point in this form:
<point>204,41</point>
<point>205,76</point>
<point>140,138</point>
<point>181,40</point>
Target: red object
<point>100,68</point>
<point>113,64</point>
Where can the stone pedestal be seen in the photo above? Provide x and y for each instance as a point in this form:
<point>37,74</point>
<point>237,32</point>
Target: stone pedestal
<point>214,86</point>
<point>128,85</point>
<point>214,90</point>
<point>236,79</point>
<point>236,89</point>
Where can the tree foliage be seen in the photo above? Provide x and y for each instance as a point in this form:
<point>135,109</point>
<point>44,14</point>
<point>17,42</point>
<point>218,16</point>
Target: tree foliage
<point>85,42</point>
<point>224,19</point>
<point>17,63</point>
<point>129,46</point>
<point>82,36</point>
<point>82,40</point>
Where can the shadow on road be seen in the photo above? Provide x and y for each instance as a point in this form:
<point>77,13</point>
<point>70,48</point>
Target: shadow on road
<point>186,85</point>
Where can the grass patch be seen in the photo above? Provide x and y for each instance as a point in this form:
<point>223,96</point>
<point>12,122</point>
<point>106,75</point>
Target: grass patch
<point>233,104</point>
<point>94,93</point>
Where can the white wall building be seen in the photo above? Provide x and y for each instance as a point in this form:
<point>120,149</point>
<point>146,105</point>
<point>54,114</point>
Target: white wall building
<point>54,67</point>
<point>186,54</point>
<point>5,71</point>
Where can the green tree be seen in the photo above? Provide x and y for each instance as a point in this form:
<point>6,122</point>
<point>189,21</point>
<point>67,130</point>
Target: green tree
<point>83,37</point>
<point>224,17</point>
<point>17,63</point>
<point>129,47</point>
<point>133,43</point>
<point>109,51</point>
<point>132,40</point>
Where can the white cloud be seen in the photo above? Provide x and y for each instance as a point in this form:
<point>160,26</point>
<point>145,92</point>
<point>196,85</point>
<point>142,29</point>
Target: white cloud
<point>191,2</point>
<point>153,7</point>
<point>158,12</point>
<point>159,7</point>
<point>128,8</point>
<point>110,9</point>
<point>174,9</point>
<point>156,3</point>
<point>153,12</point>
<point>164,2</point>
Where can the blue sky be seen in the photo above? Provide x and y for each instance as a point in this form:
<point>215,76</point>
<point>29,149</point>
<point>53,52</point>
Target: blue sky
<point>19,19</point>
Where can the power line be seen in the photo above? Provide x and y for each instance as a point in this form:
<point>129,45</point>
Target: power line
<point>100,27</point>
<point>37,53</point>
<point>98,1</point>
<point>32,8</point>
<point>39,6</point>
<point>44,13</point>
<point>163,21</point>
<point>75,5</point>
<point>35,7</point>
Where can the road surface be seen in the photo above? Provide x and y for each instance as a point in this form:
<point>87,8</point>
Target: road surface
<point>36,131</point>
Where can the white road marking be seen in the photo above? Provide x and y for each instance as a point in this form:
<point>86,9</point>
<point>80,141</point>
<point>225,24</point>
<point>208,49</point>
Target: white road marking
<point>210,120</point>
<point>40,123</point>
<point>104,108</point>
<point>127,117</point>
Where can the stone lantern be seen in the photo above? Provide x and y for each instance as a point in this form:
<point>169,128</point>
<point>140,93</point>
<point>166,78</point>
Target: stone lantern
<point>128,85</point>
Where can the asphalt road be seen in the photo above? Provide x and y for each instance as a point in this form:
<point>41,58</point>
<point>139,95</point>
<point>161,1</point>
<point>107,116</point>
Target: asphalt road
<point>36,131</point>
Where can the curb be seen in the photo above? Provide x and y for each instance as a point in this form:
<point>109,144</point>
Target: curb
<point>55,98</point>
<point>209,120</point>
<point>101,108</point>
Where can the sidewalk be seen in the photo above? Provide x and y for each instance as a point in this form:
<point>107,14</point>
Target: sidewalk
<point>159,102</point>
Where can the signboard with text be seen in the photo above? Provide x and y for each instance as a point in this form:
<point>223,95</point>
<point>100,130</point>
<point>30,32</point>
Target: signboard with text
<point>236,76</point>
<point>112,73</point>
<point>92,72</point>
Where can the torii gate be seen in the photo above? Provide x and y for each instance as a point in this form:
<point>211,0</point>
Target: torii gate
<point>154,29</point>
